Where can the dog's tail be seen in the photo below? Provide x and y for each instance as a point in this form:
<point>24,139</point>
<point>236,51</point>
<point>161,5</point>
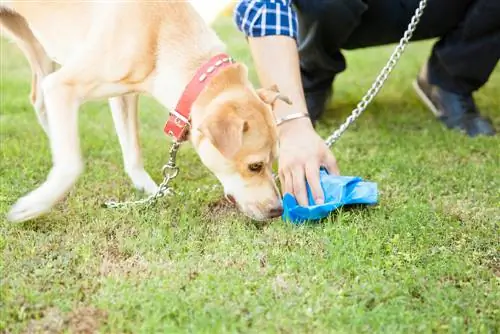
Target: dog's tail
<point>16,28</point>
<point>12,24</point>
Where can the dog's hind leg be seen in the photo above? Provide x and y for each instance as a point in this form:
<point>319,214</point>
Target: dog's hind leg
<point>124,110</point>
<point>41,65</point>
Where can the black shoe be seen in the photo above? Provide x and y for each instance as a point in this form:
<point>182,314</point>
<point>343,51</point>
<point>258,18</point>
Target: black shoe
<point>316,103</point>
<point>456,111</point>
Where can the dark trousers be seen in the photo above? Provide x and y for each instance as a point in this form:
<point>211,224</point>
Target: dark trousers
<point>461,61</point>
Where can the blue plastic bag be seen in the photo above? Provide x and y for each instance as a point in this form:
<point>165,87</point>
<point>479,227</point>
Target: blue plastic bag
<point>338,191</point>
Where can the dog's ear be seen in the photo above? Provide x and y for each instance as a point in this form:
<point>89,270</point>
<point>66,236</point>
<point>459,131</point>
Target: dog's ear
<point>271,94</point>
<point>225,132</point>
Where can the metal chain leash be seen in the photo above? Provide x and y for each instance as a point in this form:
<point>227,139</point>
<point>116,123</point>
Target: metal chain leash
<point>171,170</point>
<point>382,77</point>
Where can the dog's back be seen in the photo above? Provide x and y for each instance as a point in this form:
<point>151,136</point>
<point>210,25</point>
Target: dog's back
<point>63,27</point>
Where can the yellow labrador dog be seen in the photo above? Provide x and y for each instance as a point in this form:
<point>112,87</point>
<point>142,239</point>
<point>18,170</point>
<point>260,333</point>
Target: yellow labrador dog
<point>119,49</point>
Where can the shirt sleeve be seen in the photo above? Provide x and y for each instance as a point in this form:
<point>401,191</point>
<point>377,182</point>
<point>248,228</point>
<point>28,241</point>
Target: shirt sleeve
<point>257,18</point>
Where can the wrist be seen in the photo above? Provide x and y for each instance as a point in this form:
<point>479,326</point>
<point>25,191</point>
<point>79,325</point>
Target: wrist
<point>291,118</point>
<point>294,126</point>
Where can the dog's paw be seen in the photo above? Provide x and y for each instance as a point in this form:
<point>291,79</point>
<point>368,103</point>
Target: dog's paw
<point>28,207</point>
<point>142,181</point>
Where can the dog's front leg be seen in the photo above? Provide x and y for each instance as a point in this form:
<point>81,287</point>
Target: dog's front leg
<point>124,111</point>
<point>63,94</point>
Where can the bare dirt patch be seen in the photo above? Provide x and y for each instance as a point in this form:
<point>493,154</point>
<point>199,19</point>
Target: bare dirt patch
<point>219,209</point>
<point>118,264</point>
<point>86,320</point>
<point>81,320</point>
<point>52,321</point>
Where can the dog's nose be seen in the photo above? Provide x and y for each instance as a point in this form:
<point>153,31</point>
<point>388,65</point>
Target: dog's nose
<point>275,212</point>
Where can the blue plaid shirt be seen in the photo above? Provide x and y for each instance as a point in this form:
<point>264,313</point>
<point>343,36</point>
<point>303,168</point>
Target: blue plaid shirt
<point>256,18</point>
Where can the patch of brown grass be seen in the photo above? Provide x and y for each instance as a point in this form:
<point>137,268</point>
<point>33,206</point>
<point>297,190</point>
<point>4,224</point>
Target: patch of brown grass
<point>219,209</point>
<point>86,320</point>
<point>81,320</point>
<point>52,321</point>
<point>118,264</point>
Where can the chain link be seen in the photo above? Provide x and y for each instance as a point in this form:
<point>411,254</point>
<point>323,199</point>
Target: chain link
<point>170,170</point>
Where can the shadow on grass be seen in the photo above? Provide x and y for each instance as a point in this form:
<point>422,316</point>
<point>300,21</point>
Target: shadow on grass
<point>334,215</point>
<point>40,225</point>
<point>222,209</point>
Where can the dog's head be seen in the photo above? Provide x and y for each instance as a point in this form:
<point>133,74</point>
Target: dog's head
<point>235,135</point>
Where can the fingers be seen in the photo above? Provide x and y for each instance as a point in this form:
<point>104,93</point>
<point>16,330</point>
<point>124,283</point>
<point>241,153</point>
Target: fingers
<point>299,162</point>
<point>312,175</point>
<point>331,164</point>
<point>293,182</point>
<point>286,182</point>
<point>299,185</point>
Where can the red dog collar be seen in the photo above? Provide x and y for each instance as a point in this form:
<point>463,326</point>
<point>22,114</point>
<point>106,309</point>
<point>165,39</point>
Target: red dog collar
<point>178,123</point>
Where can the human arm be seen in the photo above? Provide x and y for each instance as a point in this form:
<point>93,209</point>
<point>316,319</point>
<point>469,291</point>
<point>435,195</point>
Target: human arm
<point>271,30</point>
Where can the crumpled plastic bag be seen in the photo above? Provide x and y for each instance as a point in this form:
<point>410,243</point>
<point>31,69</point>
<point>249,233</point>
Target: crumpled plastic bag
<point>338,191</point>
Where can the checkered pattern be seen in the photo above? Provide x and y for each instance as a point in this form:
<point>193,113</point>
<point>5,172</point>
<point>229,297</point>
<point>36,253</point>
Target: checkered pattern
<point>256,18</point>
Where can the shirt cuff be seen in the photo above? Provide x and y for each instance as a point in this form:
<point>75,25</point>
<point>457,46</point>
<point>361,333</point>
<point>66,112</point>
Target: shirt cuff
<point>258,18</point>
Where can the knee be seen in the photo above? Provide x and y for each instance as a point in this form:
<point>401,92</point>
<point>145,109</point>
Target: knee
<point>57,86</point>
<point>329,21</point>
<point>313,8</point>
<point>51,84</point>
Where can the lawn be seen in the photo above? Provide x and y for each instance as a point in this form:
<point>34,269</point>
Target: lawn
<point>426,259</point>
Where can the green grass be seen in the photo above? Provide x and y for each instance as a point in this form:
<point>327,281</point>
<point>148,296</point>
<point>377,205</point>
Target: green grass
<point>426,259</point>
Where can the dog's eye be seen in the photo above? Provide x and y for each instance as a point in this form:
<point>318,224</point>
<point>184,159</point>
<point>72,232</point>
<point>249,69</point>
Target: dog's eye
<point>256,167</point>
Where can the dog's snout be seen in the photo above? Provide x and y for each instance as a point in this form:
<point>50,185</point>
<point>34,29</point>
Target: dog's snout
<point>275,212</point>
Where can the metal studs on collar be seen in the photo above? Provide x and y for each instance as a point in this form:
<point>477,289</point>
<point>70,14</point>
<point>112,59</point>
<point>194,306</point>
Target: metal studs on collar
<point>203,77</point>
<point>178,122</point>
<point>212,68</point>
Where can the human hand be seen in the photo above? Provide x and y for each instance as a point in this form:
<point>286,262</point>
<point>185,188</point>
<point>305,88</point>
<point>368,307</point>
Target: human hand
<point>302,153</point>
